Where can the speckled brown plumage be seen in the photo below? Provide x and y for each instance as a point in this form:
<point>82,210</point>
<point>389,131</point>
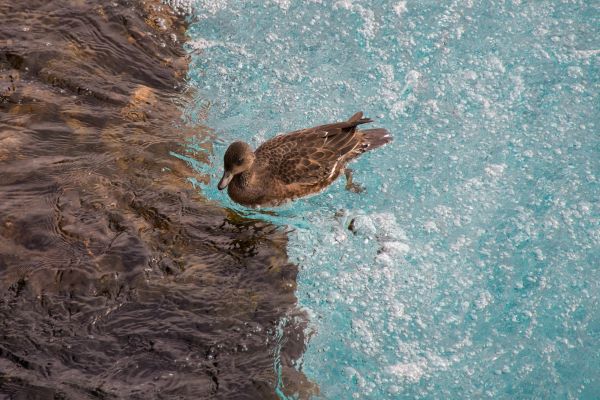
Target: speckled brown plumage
<point>296,164</point>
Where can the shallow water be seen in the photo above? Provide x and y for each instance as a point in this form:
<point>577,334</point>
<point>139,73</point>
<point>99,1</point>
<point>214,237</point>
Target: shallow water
<point>117,280</point>
<point>471,270</point>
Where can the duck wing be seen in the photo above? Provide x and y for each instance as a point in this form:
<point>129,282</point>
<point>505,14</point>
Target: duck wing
<point>311,156</point>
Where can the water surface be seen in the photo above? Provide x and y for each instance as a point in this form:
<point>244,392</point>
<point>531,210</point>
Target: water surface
<point>471,270</point>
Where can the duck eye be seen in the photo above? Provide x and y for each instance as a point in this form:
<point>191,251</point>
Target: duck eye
<point>240,161</point>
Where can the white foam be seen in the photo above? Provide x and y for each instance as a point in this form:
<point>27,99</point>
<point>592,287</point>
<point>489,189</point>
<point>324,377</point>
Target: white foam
<point>182,6</point>
<point>283,4</point>
<point>413,77</point>
<point>431,226</point>
<point>495,170</point>
<point>210,6</point>
<point>400,8</point>
<point>470,75</point>
<point>370,26</point>
<point>484,299</point>
<point>409,371</point>
<point>496,64</point>
<point>343,4</point>
<point>574,71</point>
<point>387,71</point>
<point>201,7</point>
<point>395,248</point>
<point>587,53</point>
<point>203,44</point>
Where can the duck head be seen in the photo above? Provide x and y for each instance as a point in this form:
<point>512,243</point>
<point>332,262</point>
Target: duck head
<point>239,157</point>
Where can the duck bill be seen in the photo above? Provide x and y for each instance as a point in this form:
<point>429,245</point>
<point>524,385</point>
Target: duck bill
<point>227,176</point>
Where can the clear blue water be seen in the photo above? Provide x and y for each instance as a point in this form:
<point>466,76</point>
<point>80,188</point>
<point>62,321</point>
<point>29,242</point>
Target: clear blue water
<point>474,271</point>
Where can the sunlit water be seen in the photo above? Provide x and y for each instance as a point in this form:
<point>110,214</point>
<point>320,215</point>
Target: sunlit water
<point>472,270</point>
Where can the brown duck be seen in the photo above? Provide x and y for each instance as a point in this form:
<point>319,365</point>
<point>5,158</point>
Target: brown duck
<point>298,163</point>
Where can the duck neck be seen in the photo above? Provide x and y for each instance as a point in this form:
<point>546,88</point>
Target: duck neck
<point>243,179</point>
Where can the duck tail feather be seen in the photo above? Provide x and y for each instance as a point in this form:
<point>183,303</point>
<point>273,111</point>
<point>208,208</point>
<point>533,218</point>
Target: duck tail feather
<point>374,138</point>
<point>356,117</point>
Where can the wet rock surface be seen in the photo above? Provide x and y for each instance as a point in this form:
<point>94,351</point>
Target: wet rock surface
<point>118,280</point>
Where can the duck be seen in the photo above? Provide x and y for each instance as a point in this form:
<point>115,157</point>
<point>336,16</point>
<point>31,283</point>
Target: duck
<point>297,164</point>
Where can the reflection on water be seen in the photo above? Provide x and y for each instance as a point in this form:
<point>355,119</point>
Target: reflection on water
<point>116,279</point>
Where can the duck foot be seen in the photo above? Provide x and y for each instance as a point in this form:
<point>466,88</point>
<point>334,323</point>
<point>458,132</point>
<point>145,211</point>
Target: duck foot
<point>353,187</point>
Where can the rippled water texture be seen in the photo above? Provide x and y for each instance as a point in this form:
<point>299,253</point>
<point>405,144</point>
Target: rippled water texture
<point>117,280</point>
<point>471,269</point>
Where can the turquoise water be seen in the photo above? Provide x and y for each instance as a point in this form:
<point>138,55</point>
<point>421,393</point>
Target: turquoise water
<point>473,271</point>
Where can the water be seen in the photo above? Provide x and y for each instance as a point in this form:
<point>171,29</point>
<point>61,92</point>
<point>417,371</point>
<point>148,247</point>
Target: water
<point>471,270</point>
<point>117,280</point>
